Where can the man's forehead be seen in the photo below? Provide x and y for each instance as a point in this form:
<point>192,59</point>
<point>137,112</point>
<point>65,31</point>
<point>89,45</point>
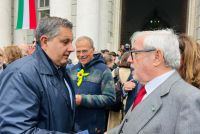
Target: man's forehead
<point>66,32</point>
<point>138,41</point>
<point>68,37</point>
<point>83,43</point>
<point>140,37</point>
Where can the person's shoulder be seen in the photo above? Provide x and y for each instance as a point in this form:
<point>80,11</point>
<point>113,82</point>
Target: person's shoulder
<point>184,95</point>
<point>100,66</point>
<point>183,89</point>
<point>23,65</point>
<point>21,72</point>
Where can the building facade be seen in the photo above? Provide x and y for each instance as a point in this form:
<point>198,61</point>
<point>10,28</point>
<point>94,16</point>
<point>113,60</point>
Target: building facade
<point>99,19</point>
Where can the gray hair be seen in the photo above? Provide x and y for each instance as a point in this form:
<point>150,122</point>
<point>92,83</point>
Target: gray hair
<point>85,38</point>
<point>165,40</point>
<point>50,26</point>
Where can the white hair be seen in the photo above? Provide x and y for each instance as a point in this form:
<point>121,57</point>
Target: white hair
<point>165,40</point>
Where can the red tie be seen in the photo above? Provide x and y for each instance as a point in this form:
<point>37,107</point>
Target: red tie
<point>139,97</point>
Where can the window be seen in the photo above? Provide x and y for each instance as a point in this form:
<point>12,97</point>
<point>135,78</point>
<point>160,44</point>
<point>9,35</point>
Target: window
<point>44,3</point>
<point>43,8</point>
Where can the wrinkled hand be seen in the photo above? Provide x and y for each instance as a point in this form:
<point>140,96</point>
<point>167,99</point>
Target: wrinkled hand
<point>78,99</point>
<point>128,86</point>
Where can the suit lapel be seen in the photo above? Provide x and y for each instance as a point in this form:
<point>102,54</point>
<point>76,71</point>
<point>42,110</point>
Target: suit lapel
<point>148,108</point>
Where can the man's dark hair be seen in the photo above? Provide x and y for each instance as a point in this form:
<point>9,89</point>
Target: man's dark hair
<point>113,54</point>
<point>50,26</point>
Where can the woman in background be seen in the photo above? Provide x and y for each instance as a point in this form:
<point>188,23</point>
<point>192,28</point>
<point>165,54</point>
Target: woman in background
<point>12,53</point>
<point>190,60</point>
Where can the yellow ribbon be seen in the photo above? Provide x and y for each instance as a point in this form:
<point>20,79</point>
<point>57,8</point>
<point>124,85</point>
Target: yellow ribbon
<point>80,76</point>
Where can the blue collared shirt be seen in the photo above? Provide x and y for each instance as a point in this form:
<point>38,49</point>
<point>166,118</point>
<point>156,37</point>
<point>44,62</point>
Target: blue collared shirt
<point>153,84</point>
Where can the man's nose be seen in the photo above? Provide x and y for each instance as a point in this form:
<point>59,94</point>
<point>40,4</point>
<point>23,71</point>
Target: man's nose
<point>130,60</point>
<point>71,48</point>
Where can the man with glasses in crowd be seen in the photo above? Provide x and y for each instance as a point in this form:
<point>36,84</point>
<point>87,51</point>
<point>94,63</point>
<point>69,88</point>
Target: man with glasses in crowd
<point>94,88</point>
<point>166,104</point>
<point>36,94</point>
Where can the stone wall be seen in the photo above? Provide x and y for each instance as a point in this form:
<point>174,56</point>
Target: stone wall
<point>198,21</point>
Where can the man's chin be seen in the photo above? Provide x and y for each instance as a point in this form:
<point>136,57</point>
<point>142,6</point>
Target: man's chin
<point>63,63</point>
<point>83,62</point>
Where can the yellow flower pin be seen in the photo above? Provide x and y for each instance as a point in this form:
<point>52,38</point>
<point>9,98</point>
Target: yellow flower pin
<point>80,76</point>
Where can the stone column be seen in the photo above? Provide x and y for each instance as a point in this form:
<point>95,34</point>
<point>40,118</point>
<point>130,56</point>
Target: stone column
<point>192,20</point>
<point>87,20</point>
<point>5,23</point>
<point>104,23</point>
<point>60,8</point>
<point>117,24</point>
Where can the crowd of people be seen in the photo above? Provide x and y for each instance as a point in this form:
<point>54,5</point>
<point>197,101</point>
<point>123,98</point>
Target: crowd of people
<point>151,86</point>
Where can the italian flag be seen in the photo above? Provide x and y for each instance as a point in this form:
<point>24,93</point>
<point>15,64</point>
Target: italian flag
<point>26,14</point>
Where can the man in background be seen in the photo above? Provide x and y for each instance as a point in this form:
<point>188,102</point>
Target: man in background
<point>94,88</point>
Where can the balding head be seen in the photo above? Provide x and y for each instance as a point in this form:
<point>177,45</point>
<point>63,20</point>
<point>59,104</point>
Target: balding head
<point>81,38</point>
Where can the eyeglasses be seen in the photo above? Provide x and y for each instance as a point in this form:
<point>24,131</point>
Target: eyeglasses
<point>134,52</point>
<point>83,51</point>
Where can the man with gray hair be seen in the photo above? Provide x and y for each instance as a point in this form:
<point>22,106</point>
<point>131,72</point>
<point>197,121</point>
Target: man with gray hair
<point>36,93</point>
<point>94,88</point>
<point>166,104</point>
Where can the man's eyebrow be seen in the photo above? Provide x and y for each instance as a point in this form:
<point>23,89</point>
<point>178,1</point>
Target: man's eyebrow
<point>71,37</point>
<point>66,37</point>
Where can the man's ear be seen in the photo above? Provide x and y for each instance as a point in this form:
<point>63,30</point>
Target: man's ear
<point>43,42</point>
<point>158,57</point>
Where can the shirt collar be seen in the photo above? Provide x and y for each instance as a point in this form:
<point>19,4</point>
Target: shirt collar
<point>153,84</point>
